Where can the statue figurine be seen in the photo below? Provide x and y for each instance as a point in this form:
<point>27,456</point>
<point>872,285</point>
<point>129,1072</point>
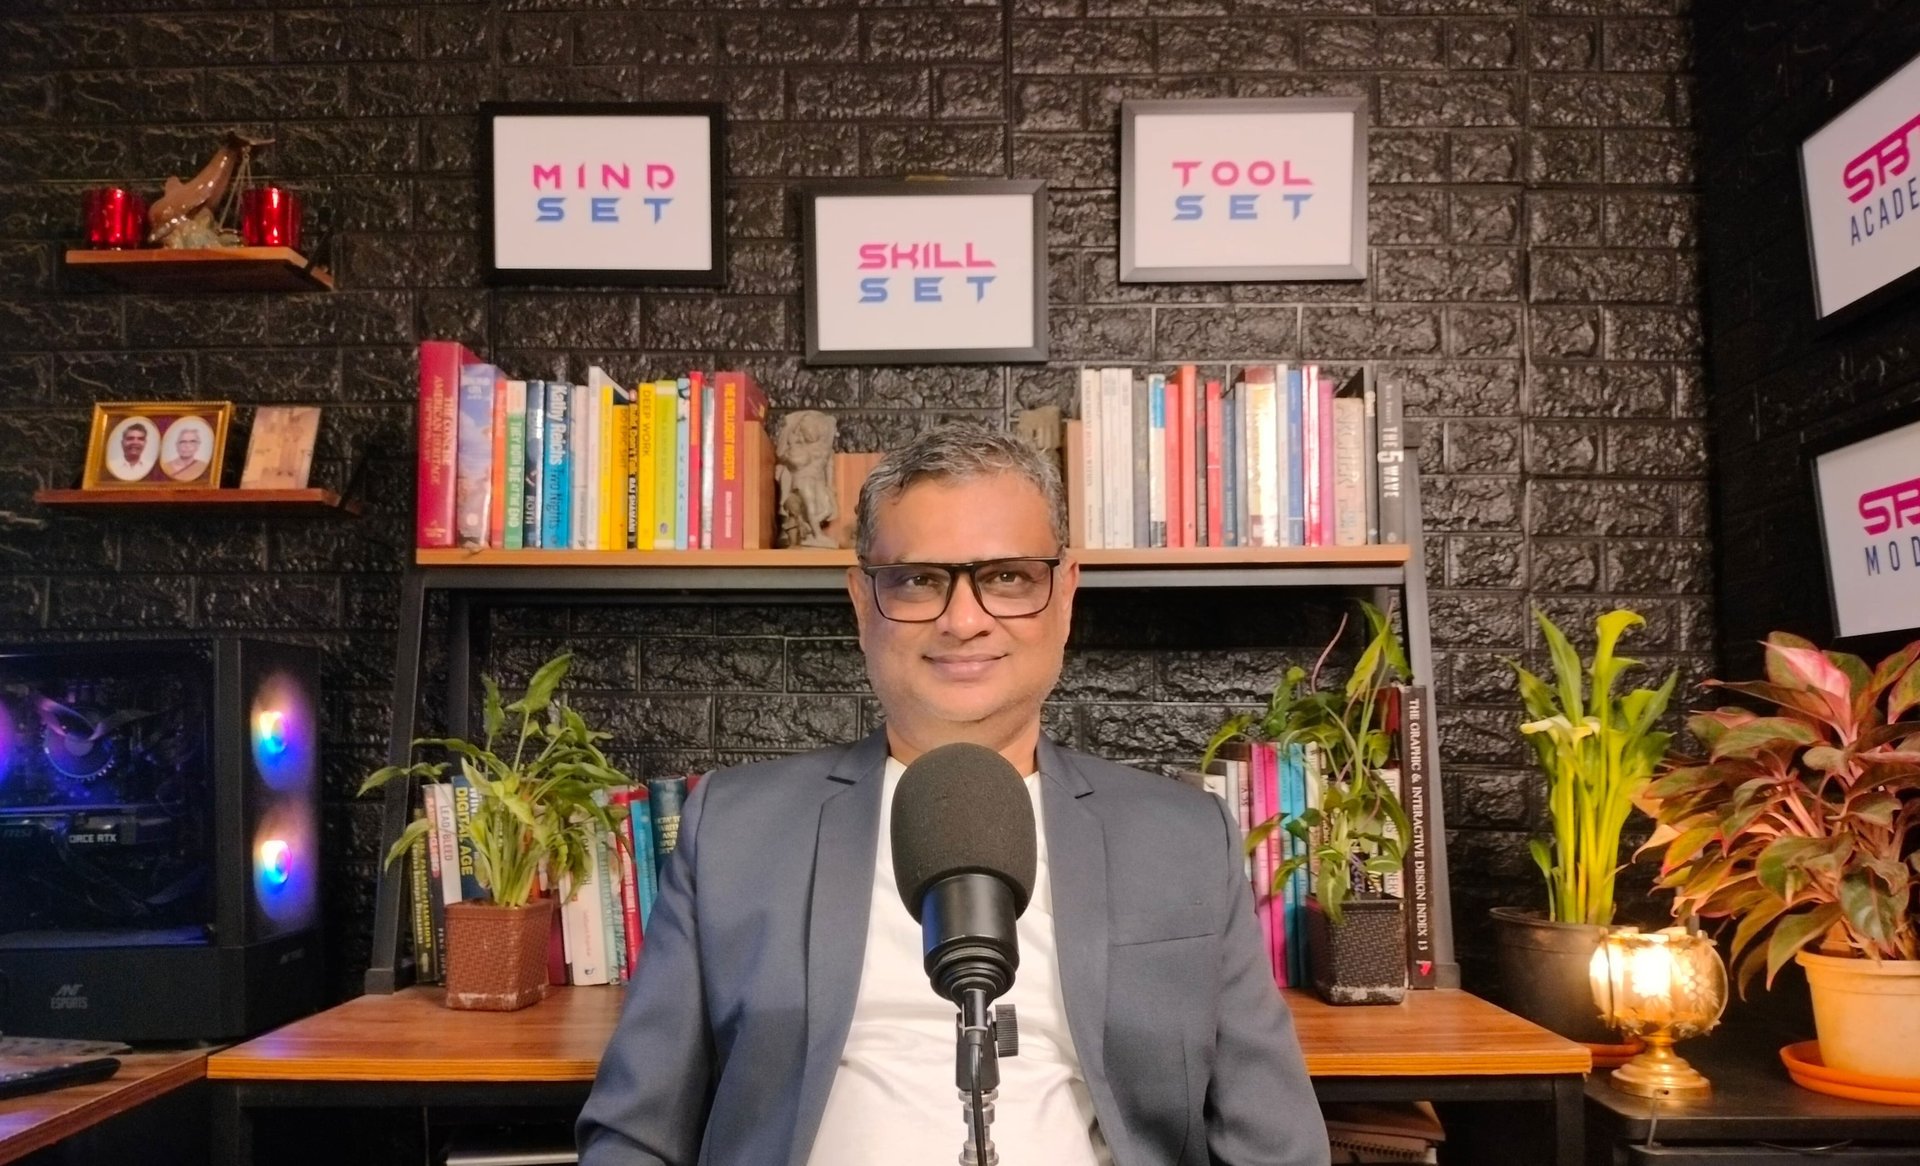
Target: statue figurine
<point>184,214</point>
<point>803,470</point>
<point>1040,427</point>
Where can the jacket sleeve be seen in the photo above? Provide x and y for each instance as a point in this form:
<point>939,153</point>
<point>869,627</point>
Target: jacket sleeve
<point>650,1099</point>
<point>1261,1110</point>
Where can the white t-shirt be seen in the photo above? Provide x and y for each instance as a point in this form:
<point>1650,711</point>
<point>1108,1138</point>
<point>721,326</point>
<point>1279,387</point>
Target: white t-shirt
<point>893,1101</point>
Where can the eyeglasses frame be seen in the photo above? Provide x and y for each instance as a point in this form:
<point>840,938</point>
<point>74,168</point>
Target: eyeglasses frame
<point>956,570</point>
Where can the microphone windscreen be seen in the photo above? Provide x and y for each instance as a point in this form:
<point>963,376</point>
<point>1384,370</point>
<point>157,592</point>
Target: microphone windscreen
<point>961,808</point>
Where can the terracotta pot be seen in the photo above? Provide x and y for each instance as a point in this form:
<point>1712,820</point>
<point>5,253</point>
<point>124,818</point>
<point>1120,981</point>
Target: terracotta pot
<point>1363,958</point>
<point>497,956</point>
<point>1866,1014</point>
<point>1544,973</point>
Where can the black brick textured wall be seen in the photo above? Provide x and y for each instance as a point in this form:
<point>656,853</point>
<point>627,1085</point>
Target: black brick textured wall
<point>1534,293</point>
<point>1772,73</point>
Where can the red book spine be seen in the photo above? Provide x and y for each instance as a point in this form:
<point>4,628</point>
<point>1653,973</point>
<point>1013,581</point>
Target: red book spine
<point>1310,454</point>
<point>1189,498</point>
<point>741,401</point>
<point>695,403</point>
<point>1216,485</point>
<point>629,884</point>
<point>1175,461</point>
<point>439,410</point>
<point>497,487</point>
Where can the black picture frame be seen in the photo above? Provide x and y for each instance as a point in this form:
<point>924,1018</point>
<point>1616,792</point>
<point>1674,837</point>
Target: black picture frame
<point>511,272</point>
<point>811,197</point>
<point>1133,270</point>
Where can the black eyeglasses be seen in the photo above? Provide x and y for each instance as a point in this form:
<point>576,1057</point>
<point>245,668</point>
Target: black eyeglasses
<point>920,592</point>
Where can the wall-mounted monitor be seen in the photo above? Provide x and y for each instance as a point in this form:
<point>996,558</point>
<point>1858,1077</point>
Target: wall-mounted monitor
<point>1869,499</point>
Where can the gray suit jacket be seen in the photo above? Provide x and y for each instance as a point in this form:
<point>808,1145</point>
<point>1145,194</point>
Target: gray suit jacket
<point>732,1031</point>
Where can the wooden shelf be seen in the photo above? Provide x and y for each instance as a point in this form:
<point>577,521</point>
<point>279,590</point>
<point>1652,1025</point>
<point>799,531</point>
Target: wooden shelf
<point>311,501</point>
<point>209,269</point>
<point>1368,556</point>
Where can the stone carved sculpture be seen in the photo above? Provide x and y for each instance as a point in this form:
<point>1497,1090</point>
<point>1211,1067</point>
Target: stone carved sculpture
<point>184,216</point>
<point>803,471</point>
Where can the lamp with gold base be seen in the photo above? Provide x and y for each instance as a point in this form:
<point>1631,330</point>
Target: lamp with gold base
<point>1661,986</point>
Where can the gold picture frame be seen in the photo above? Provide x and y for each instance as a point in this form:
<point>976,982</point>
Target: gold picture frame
<point>156,445</point>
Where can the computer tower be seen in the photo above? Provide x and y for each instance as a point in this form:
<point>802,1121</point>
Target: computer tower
<point>159,838</point>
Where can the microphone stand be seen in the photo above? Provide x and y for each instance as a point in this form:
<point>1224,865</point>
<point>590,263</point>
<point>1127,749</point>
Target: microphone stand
<point>976,1073</point>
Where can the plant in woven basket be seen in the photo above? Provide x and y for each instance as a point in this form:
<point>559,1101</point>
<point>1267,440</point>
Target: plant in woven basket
<point>1598,753</point>
<point>541,783</point>
<point>1356,835</point>
<point>1803,823</point>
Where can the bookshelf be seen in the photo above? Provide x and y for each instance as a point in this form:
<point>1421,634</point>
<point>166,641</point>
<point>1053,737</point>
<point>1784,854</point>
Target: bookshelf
<point>472,581</point>
<point>204,269</point>
<point>210,500</point>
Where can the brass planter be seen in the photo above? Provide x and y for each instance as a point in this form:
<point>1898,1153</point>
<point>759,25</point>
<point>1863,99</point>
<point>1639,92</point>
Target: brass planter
<point>497,956</point>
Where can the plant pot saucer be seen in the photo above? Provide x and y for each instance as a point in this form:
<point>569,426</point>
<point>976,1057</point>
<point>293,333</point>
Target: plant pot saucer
<point>1805,1066</point>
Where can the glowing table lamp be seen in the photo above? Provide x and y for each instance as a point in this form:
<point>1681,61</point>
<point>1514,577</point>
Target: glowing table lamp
<point>1661,986</point>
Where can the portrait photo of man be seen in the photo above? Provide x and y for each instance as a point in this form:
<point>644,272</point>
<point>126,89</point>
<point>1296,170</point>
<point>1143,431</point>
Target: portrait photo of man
<point>187,450</point>
<point>132,449</point>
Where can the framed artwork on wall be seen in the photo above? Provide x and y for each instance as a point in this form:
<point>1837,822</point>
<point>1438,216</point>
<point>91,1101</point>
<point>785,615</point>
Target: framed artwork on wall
<point>603,193</point>
<point>156,445</point>
<point>1243,189</point>
<point>1862,198</point>
<point>925,272</point>
<point>1867,495</point>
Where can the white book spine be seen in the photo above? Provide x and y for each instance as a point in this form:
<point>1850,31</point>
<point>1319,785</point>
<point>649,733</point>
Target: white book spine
<point>1349,481</point>
<point>441,800</point>
<point>1116,455</point>
<point>1264,514</point>
<point>1092,439</point>
<point>583,929</point>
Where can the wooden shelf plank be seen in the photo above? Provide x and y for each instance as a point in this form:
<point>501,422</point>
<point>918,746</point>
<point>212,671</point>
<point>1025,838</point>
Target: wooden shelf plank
<point>311,500</point>
<point>39,1120</point>
<point>1368,556</point>
<point>206,269</point>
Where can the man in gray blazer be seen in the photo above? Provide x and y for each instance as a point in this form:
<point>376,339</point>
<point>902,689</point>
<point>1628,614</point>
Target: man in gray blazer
<point>780,1016</point>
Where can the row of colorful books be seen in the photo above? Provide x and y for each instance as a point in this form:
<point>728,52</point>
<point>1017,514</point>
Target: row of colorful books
<point>1279,458</point>
<point>599,928</point>
<point>506,464</point>
<point>1262,779</point>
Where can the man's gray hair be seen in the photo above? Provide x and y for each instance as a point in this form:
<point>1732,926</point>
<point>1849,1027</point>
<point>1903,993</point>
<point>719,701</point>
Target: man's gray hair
<point>958,452</point>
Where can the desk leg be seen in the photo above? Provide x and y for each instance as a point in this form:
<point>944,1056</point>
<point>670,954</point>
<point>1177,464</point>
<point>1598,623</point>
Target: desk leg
<point>1569,1120</point>
<point>232,1128</point>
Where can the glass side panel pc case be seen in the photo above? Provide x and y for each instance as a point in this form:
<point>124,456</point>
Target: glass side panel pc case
<point>159,838</point>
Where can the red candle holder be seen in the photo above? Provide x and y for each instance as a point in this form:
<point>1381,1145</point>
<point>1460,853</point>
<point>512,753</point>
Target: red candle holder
<point>270,217</point>
<point>116,217</point>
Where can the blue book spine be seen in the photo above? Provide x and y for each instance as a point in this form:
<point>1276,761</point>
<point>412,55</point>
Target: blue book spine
<point>473,455</point>
<point>1292,788</point>
<point>1229,469</point>
<point>466,800</point>
<point>536,467</point>
<point>646,875</point>
<point>556,493</point>
<point>665,797</point>
<point>682,428</point>
<point>1296,467</point>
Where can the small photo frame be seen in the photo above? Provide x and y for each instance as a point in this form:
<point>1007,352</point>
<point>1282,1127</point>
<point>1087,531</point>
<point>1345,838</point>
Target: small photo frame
<point>156,445</point>
<point>1243,190</point>
<point>280,448</point>
<point>603,193</point>
<point>926,272</point>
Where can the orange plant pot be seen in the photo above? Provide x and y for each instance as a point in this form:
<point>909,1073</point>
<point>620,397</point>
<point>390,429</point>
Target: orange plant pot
<point>497,956</point>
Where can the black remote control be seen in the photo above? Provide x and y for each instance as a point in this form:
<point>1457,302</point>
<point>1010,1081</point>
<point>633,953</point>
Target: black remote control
<point>17,1082</point>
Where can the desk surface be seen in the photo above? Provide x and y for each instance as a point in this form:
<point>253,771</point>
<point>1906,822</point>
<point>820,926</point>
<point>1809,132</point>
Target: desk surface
<point>39,1120</point>
<point>410,1036</point>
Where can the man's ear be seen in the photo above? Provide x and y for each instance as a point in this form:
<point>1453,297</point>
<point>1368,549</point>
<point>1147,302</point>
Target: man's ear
<point>1067,586</point>
<point>856,591</point>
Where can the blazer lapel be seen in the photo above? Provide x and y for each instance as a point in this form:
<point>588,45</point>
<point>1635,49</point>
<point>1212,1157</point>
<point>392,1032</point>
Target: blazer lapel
<point>843,861</point>
<point>1077,860</point>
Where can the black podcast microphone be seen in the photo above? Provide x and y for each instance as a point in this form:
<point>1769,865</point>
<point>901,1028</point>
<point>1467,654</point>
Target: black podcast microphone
<point>964,858</point>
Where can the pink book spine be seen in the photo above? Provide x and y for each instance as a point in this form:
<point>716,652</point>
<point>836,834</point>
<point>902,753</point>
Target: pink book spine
<point>697,381</point>
<point>1216,486</point>
<point>629,884</point>
<point>1176,462</point>
<point>497,484</point>
<point>1189,421</point>
<point>1323,395</point>
<point>439,409</point>
<point>1263,904</point>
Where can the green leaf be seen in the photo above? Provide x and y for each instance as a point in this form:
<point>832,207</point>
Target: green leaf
<point>1764,733</point>
<point>1871,911</point>
<point>1797,931</point>
<point>494,717</point>
<point>1875,807</point>
<point>1779,862</point>
<point>1566,666</point>
<point>1905,694</point>
<point>540,689</point>
<point>1542,856</point>
<point>1825,758</point>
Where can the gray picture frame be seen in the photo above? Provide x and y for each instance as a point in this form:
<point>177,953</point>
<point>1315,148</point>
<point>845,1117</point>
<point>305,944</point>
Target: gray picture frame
<point>810,198</point>
<point>1131,271</point>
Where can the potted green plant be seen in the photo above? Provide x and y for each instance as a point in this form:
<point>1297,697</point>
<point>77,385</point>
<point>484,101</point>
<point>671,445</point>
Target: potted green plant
<point>1598,753</point>
<point>537,807</point>
<point>1803,823</point>
<point>1355,836</point>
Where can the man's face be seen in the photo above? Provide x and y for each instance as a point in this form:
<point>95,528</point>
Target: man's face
<point>133,443</point>
<point>966,676</point>
<point>189,444</point>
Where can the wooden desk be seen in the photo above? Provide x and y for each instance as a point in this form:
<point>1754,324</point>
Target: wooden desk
<point>406,1049</point>
<point>39,1120</point>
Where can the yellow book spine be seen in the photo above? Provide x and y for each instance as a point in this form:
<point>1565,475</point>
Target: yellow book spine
<point>666,415</point>
<point>617,479</point>
<point>609,499</point>
<point>643,466</point>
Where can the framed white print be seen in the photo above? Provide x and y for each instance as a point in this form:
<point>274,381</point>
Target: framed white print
<point>1234,189</point>
<point>1862,197</point>
<point>1868,496</point>
<point>926,272</point>
<point>603,194</point>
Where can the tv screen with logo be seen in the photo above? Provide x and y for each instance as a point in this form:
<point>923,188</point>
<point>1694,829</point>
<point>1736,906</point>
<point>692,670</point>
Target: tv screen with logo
<point>1869,499</point>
